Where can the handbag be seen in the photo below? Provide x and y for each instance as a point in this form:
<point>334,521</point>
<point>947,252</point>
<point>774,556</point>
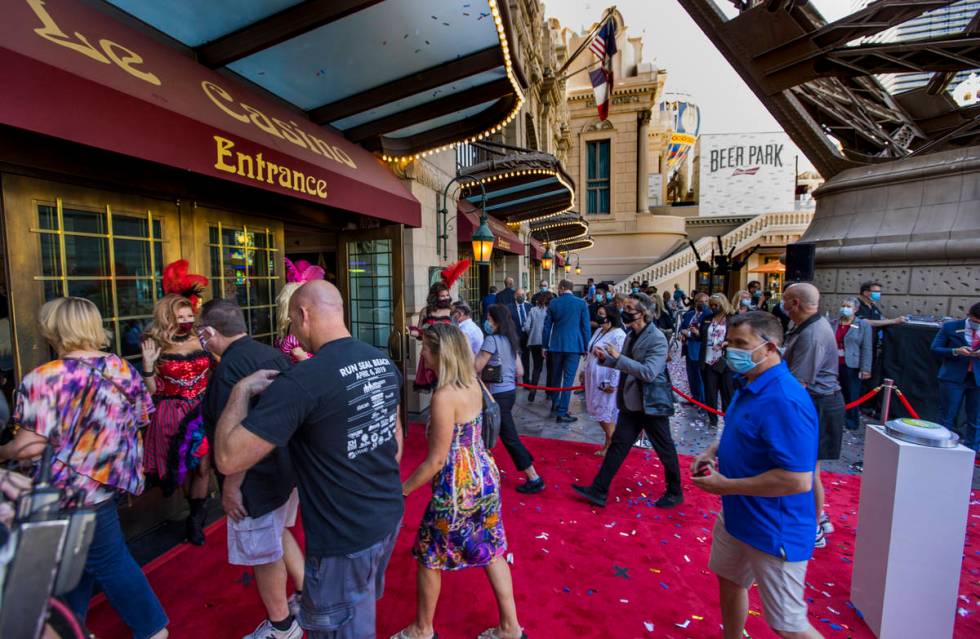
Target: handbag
<point>490,430</point>
<point>493,373</point>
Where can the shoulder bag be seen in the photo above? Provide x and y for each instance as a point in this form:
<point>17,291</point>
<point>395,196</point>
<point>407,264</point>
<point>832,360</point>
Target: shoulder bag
<point>490,430</point>
<point>493,373</point>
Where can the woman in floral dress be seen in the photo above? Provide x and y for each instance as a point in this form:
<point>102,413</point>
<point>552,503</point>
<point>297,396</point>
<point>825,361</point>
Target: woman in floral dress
<point>461,527</point>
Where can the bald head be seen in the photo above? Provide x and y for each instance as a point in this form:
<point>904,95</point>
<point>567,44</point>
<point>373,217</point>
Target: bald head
<point>801,301</point>
<point>316,315</point>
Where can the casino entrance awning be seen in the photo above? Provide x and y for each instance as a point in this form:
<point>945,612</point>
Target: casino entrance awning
<point>468,220</point>
<point>582,244</point>
<point>522,185</point>
<point>560,229</point>
<point>400,77</point>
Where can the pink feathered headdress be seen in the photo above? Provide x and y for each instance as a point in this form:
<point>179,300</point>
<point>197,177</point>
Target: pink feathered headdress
<point>302,271</point>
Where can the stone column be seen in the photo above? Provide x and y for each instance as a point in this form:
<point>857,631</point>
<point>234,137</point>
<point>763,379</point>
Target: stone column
<point>642,160</point>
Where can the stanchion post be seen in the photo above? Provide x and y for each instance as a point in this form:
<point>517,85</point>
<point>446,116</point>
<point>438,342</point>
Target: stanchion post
<point>887,387</point>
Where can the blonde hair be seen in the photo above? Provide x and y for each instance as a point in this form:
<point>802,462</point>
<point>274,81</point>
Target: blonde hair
<point>165,318</point>
<point>451,348</point>
<point>737,299</point>
<point>72,324</point>
<point>721,301</point>
<point>282,307</point>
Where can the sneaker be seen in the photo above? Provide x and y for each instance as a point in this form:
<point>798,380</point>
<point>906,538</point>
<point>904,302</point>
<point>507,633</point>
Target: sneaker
<point>294,602</point>
<point>267,631</point>
<point>530,487</point>
<point>825,525</point>
<point>821,541</point>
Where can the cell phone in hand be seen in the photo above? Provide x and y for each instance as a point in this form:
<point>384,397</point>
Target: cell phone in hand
<point>705,468</point>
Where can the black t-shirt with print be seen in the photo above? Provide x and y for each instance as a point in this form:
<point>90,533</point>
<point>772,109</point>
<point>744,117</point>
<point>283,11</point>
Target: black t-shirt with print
<point>338,411</point>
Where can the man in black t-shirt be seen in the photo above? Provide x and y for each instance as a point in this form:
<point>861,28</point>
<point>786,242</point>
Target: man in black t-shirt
<point>338,412</point>
<point>261,502</point>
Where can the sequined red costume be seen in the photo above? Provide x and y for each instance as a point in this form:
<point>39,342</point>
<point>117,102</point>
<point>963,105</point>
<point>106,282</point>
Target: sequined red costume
<point>180,380</point>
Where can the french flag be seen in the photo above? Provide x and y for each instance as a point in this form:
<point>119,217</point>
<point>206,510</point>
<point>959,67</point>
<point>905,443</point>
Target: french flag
<point>604,48</point>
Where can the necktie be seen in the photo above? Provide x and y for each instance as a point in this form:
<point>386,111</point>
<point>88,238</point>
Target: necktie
<point>975,345</point>
<point>520,315</point>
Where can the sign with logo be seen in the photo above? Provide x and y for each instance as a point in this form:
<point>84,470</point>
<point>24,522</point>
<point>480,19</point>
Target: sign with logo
<point>746,173</point>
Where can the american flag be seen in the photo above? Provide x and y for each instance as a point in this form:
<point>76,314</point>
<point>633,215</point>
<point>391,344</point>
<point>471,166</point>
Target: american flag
<point>752,170</point>
<point>604,47</point>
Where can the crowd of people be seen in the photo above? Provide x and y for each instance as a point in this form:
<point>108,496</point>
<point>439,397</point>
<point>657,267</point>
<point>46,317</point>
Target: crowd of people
<point>313,424</point>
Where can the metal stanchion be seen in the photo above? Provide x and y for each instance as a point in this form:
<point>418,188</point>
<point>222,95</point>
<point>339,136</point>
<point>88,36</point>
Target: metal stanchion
<point>887,386</point>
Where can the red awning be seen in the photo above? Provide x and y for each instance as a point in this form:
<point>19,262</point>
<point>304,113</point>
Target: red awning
<point>537,249</point>
<point>468,220</point>
<point>69,71</point>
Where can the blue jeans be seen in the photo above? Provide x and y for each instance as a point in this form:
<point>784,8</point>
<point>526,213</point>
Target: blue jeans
<point>694,378</point>
<point>110,564</point>
<point>951,397</point>
<point>563,367</point>
<point>850,386</point>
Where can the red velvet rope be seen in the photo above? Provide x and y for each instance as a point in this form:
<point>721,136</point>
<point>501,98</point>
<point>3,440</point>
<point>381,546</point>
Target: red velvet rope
<point>860,400</point>
<point>697,403</point>
<point>551,389</point>
<point>905,403</point>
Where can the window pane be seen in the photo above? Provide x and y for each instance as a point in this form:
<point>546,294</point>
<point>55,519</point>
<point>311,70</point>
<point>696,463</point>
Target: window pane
<point>128,225</point>
<point>158,257</point>
<point>213,235</point>
<point>47,216</point>
<point>130,333</point>
<point>81,221</point>
<point>590,159</point>
<point>157,229</point>
<point>50,262</point>
<point>260,320</point>
<point>593,201</point>
<point>87,255</point>
<point>51,290</point>
<point>134,297</point>
<point>604,201</point>
<point>603,160</point>
<point>260,263</point>
<point>132,257</point>
<point>260,291</point>
<point>99,291</point>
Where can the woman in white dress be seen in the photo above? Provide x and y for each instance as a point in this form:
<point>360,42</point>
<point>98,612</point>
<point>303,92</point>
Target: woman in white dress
<point>600,381</point>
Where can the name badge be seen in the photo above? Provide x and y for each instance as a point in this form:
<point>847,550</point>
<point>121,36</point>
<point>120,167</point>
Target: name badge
<point>840,352</point>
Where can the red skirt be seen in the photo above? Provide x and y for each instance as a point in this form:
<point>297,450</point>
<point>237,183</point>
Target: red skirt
<point>159,435</point>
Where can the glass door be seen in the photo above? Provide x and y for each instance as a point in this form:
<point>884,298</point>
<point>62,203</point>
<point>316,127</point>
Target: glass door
<point>371,280</point>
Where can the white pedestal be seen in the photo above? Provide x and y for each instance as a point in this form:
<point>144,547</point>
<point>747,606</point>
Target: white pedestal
<point>911,530</point>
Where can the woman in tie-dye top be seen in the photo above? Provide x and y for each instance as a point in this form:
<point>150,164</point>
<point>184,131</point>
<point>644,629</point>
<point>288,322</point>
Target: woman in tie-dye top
<point>90,406</point>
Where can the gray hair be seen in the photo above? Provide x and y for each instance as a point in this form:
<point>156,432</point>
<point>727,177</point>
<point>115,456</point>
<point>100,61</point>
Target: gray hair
<point>463,307</point>
<point>646,305</point>
<point>853,301</point>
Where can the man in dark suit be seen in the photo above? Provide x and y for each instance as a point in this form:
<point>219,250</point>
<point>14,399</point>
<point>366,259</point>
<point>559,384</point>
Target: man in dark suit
<point>958,344</point>
<point>565,337</point>
<point>519,310</point>
<point>506,296</point>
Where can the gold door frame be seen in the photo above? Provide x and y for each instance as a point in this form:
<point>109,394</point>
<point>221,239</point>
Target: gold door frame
<point>21,198</point>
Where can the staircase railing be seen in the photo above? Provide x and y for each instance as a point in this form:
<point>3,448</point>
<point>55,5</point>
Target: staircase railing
<point>741,237</point>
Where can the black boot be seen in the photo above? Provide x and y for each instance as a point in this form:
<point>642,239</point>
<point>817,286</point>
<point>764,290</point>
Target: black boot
<point>196,519</point>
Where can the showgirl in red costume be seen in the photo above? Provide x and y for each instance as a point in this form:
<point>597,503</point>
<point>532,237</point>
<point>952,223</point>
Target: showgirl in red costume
<point>438,310</point>
<point>176,370</point>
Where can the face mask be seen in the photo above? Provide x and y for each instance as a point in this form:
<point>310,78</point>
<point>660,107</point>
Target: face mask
<point>604,320</point>
<point>610,296</point>
<point>846,311</point>
<point>973,325</point>
<point>875,296</point>
<point>746,302</point>
<point>699,306</point>
<point>444,303</point>
<point>184,327</point>
<point>629,316</point>
<point>544,288</point>
<point>487,328</point>
<point>635,290</point>
<point>741,360</point>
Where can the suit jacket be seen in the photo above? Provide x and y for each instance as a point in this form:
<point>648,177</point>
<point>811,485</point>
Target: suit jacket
<point>512,307</point>
<point>645,366</point>
<point>566,326</point>
<point>857,344</point>
<point>692,345</point>
<point>951,336</point>
<point>505,297</point>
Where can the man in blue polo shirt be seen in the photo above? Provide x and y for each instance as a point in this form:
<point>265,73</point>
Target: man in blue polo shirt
<point>763,468</point>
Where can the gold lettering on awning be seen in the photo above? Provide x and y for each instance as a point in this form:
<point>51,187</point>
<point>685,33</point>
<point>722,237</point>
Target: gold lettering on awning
<point>257,168</point>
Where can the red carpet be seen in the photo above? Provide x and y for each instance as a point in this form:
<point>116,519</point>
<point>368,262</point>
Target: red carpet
<point>629,571</point>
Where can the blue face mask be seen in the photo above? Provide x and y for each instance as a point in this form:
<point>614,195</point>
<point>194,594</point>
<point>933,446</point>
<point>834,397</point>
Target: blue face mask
<point>487,328</point>
<point>973,325</point>
<point>875,296</point>
<point>746,302</point>
<point>741,360</point>
<point>635,290</point>
<point>846,311</point>
<point>610,296</point>
<point>544,288</point>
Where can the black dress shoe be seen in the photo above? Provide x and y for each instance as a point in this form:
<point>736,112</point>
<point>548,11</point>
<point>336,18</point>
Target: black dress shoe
<point>531,486</point>
<point>591,494</point>
<point>566,419</point>
<point>669,500</point>
<point>530,396</point>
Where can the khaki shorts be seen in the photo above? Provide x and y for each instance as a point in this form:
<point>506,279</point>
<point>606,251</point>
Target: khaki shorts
<point>255,541</point>
<point>780,582</point>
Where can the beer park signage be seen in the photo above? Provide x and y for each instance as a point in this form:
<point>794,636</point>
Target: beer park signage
<point>746,174</point>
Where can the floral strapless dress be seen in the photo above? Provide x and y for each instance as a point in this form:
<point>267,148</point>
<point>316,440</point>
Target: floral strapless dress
<point>461,527</point>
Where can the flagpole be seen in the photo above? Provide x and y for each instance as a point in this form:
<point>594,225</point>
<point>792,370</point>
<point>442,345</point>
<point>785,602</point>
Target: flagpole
<point>585,43</point>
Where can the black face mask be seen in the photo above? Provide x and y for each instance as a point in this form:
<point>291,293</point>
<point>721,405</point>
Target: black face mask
<point>605,320</point>
<point>629,316</point>
<point>443,303</point>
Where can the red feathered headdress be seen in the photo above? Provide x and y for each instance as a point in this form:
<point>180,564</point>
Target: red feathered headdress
<point>177,280</point>
<point>454,271</point>
<point>302,271</point>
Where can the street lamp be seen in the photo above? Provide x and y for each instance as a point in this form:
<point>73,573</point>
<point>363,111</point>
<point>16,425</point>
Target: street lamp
<point>482,242</point>
<point>578,265</point>
<point>568,262</point>
<point>547,260</point>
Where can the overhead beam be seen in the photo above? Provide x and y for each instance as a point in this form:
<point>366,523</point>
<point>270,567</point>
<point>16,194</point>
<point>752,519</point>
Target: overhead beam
<point>430,110</point>
<point>279,27</point>
<point>504,198</point>
<point>425,80</point>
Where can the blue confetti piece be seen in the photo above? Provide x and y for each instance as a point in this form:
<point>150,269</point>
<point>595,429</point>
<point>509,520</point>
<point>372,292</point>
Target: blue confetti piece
<point>835,626</point>
<point>590,592</point>
<point>664,586</point>
<point>567,589</point>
